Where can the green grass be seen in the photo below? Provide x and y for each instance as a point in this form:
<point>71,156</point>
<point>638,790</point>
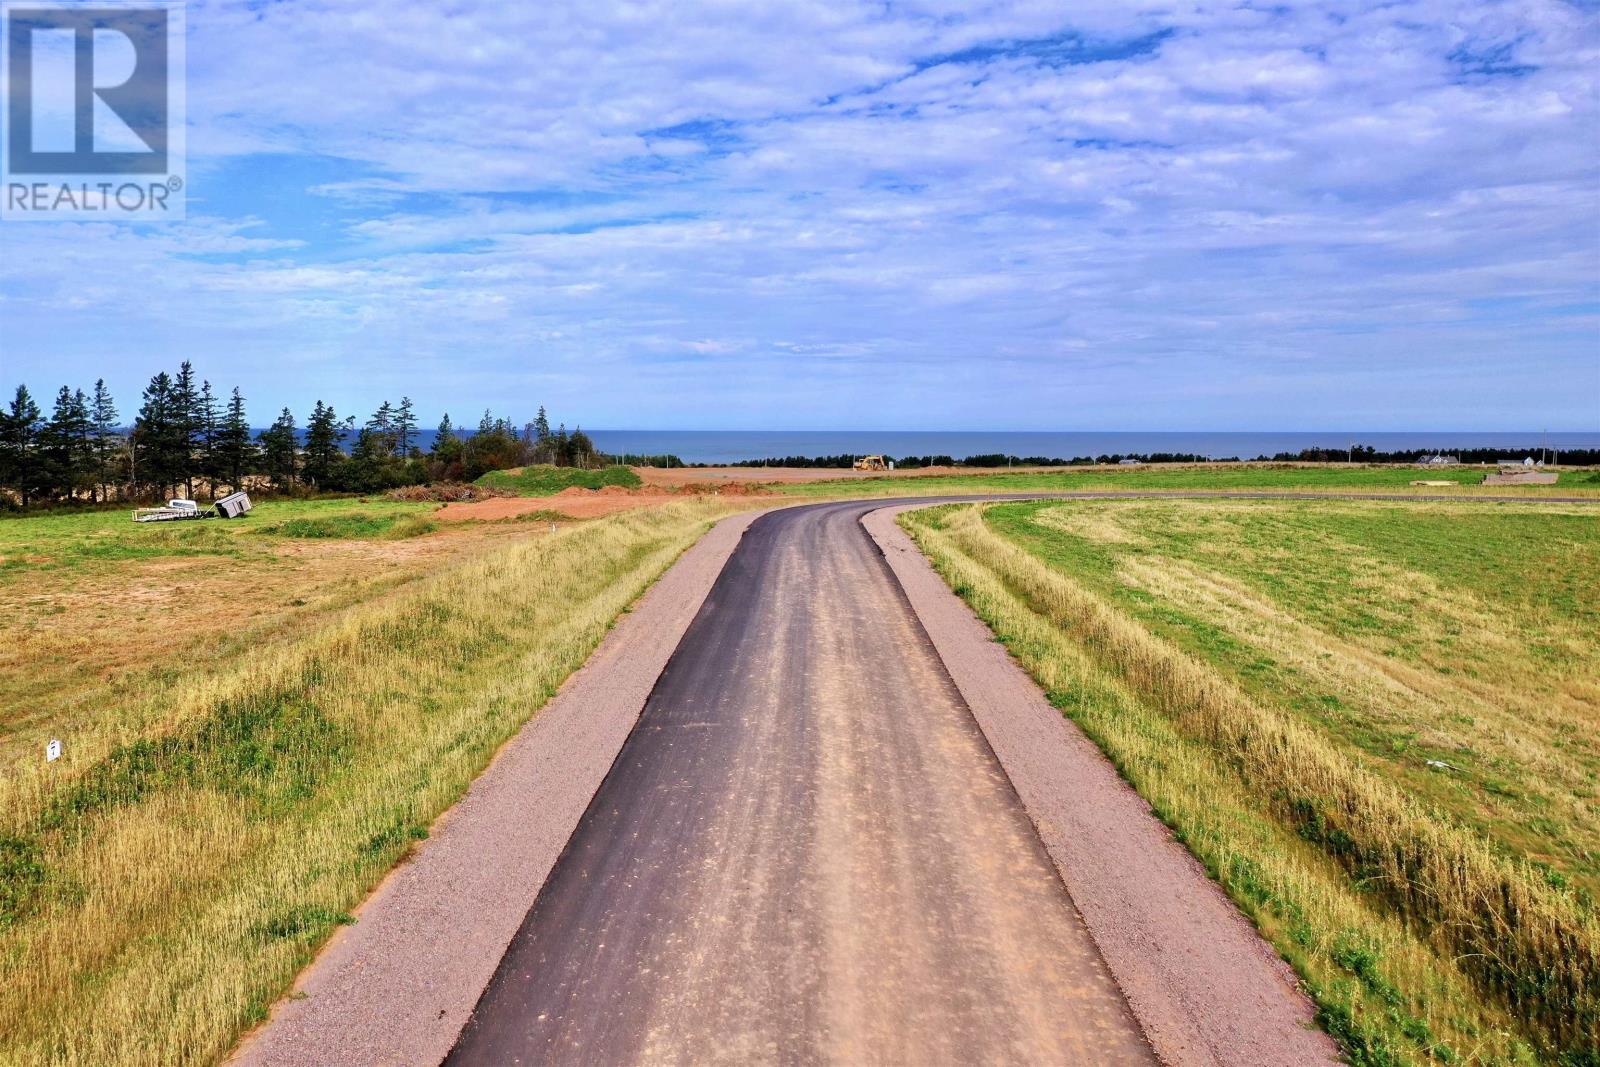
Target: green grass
<point>353,525</point>
<point>545,480</point>
<point>1219,476</point>
<point>70,541</point>
<point>1372,722</point>
<point>162,883</point>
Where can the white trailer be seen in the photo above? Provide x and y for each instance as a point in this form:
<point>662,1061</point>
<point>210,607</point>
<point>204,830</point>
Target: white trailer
<point>229,507</point>
<point>233,505</point>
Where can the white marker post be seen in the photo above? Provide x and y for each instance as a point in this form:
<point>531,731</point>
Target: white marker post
<point>52,751</point>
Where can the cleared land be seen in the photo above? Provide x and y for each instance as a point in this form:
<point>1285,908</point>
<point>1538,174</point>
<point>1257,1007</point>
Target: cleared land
<point>1297,477</point>
<point>240,778</point>
<point>1374,723</point>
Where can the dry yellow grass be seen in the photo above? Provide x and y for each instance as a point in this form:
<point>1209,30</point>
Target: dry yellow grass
<point>1422,936</point>
<point>162,890</point>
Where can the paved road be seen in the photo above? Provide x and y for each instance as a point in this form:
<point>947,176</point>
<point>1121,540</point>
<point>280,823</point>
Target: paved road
<point>805,852</point>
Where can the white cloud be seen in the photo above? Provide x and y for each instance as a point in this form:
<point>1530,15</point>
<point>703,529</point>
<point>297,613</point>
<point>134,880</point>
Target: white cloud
<point>713,198</point>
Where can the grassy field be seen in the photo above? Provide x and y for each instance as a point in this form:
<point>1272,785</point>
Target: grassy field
<point>545,480</point>
<point>260,718</point>
<point>1374,723</point>
<point>1295,477</point>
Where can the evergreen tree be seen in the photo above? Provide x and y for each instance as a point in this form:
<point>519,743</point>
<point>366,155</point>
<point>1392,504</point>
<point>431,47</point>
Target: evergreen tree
<point>233,450</point>
<point>541,425</point>
<point>187,420</point>
<point>580,449</point>
<point>324,433</point>
<point>158,445</point>
<point>381,427</point>
<point>65,461</point>
<point>405,428</point>
<point>207,421</point>
<point>103,418</point>
<point>20,469</point>
<point>278,446</point>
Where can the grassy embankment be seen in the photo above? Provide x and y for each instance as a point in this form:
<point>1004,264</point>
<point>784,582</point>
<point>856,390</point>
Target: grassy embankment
<point>1374,723</point>
<point>1298,477</point>
<point>224,804</point>
<point>547,480</point>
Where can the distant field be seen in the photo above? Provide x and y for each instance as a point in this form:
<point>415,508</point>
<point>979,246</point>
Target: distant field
<point>97,610</point>
<point>260,717</point>
<point>545,480</point>
<point>1222,476</point>
<point>1376,724</point>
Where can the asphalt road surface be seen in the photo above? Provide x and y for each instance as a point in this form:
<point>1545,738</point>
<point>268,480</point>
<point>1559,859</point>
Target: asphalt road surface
<point>805,852</point>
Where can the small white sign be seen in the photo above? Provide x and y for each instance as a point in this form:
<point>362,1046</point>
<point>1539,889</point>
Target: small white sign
<point>52,751</point>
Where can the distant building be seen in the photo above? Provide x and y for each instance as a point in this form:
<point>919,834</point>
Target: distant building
<point>1128,462</point>
<point>1437,461</point>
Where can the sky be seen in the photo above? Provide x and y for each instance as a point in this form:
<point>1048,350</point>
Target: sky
<point>921,215</point>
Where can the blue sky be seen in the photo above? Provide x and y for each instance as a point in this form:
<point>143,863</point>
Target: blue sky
<point>891,215</point>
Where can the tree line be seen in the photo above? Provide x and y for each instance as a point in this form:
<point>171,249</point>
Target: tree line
<point>186,437</point>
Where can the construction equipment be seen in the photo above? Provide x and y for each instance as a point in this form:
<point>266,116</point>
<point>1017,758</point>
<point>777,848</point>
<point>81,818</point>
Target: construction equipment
<point>872,463</point>
<point>229,507</point>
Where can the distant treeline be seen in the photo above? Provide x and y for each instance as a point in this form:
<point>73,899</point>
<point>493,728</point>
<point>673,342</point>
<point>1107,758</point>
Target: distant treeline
<point>1577,457</point>
<point>186,436</point>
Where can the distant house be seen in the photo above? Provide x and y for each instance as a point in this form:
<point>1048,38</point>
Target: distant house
<point>1437,460</point>
<point>1128,462</point>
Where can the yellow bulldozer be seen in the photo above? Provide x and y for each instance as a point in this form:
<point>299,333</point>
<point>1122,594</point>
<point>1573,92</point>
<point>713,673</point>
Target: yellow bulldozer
<point>872,463</point>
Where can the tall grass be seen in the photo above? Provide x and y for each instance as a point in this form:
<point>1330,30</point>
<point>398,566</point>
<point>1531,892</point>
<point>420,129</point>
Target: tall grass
<point>162,885</point>
<point>1394,873</point>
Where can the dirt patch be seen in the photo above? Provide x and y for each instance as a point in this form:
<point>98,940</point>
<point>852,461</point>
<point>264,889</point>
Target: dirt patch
<point>448,492</point>
<point>576,502</point>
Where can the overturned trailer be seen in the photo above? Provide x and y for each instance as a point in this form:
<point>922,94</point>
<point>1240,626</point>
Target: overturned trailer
<point>229,507</point>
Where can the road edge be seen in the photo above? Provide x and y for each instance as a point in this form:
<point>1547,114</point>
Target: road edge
<point>1201,981</point>
<point>397,987</point>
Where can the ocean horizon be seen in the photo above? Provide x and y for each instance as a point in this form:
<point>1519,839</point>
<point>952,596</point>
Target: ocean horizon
<point>733,446</point>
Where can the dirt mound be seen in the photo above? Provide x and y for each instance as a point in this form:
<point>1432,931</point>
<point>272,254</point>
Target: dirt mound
<point>447,492</point>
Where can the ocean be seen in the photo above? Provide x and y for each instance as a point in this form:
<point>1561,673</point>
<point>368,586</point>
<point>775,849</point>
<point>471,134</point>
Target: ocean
<point>731,446</point>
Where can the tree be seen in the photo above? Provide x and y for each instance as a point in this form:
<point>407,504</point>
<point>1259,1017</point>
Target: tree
<point>103,418</point>
<point>324,433</point>
<point>278,447</point>
<point>206,422</point>
<point>159,454</point>
<point>20,469</point>
<point>580,450</point>
<point>541,425</point>
<point>232,450</point>
<point>66,461</point>
<point>385,437</point>
<point>186,420</point>
<point>405,427</point>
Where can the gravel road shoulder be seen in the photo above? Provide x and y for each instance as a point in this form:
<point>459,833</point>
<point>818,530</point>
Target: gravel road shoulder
<point>397,987</point>
<point>1204,985</point>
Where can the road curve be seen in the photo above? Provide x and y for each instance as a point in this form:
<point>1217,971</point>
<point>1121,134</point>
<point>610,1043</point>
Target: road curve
<point>805,852</point>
